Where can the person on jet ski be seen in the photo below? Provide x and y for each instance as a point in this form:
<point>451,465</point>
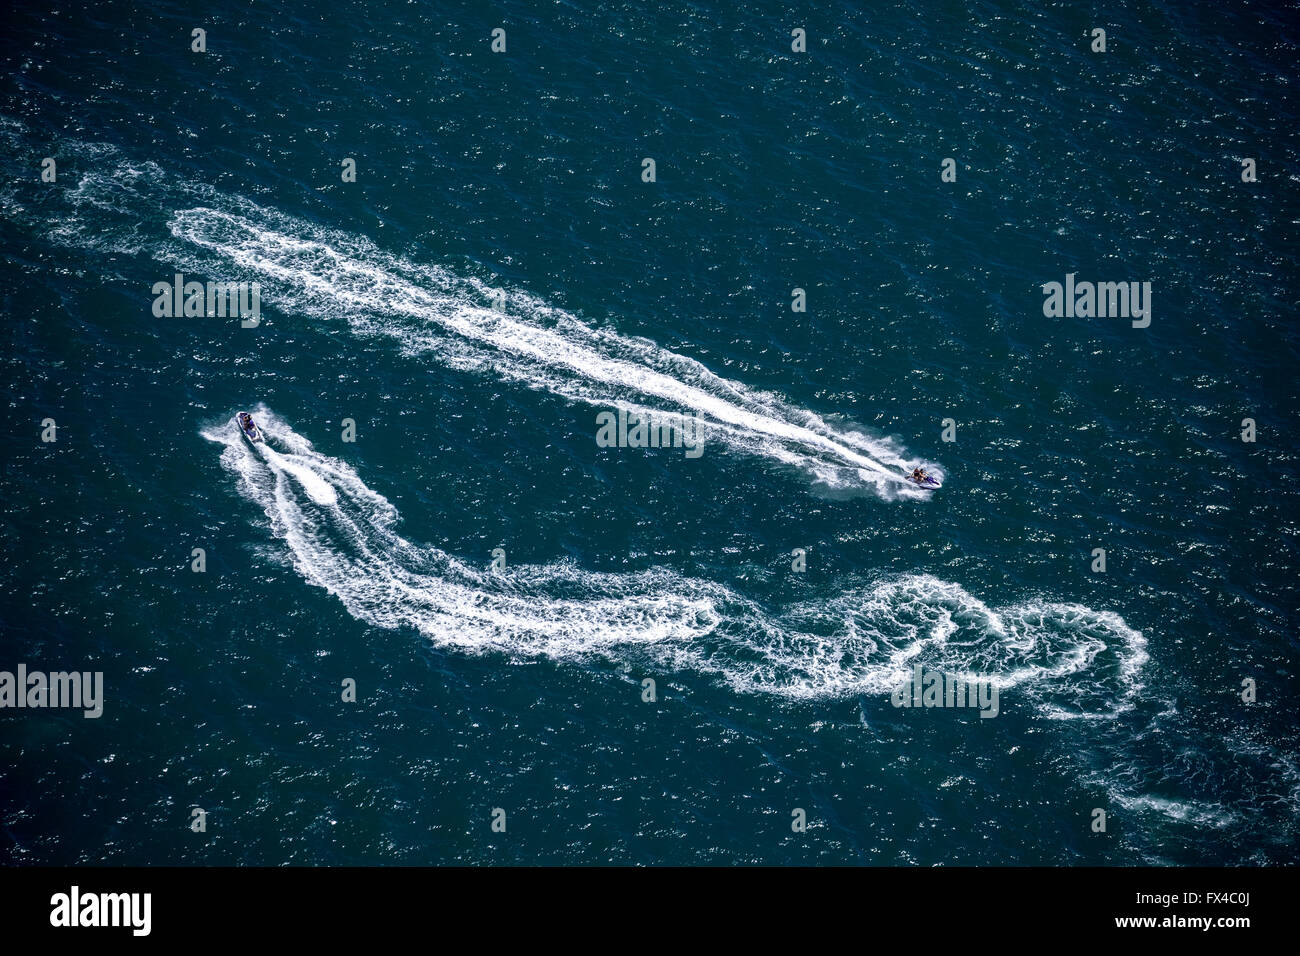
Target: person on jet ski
<point>919,475</point>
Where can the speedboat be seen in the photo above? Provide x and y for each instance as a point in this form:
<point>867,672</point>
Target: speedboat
<point>249,428</point>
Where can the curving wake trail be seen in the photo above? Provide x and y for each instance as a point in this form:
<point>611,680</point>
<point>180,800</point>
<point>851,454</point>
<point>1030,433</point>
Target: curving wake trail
<point>340,537</point>
<point>1068,660</point>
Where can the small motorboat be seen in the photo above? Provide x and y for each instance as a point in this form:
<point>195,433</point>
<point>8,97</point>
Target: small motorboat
<point>249,428</point>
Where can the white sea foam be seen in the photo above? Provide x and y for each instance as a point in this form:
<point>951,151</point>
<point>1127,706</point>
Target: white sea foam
<point>1064,660</point>
<point>1067,660</point>
<point>308,271</point>
<point>427,310</point>
<point>321,491</point>
<point>344,542</point>
<point>1201,813</point>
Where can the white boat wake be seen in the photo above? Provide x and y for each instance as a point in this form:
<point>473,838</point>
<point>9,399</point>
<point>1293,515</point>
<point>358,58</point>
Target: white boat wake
<point>427,310</point>
<point>306,270</point>
<point>1068,660</point>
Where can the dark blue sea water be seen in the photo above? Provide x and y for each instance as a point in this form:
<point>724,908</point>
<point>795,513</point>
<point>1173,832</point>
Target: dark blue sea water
<point>498,275</point>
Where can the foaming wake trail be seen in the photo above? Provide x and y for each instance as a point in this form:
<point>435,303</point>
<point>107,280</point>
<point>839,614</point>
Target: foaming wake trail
<point>426,310</point>
<point>321,491</point>
<point>1067,660</point>
<point>340,537</point>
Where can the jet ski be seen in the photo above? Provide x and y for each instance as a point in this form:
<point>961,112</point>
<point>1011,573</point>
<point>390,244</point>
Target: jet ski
<point>929,481</point>
<point>250,430</point>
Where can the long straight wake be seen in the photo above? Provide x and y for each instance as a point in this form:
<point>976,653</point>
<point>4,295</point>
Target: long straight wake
<point>304,269</point>
<point>427,310</point>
